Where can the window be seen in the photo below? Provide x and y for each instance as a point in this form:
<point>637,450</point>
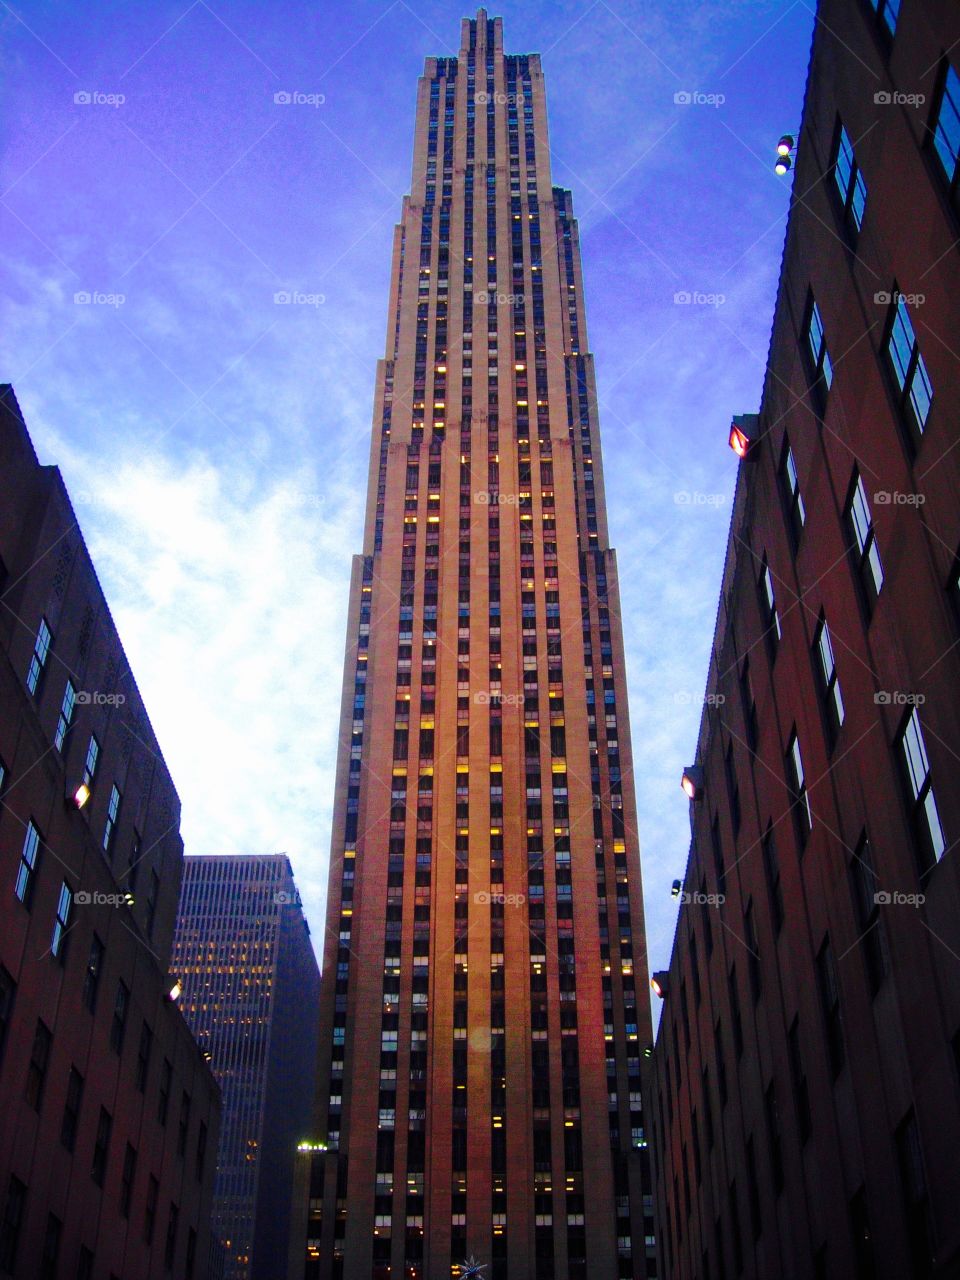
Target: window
<point>66,715</point>
<point>184,1123</point>
<point>798,1078</point>
<point>916,1201</point>
<point>152,895</point>
<point>91,980</point>
<point>39,1060</point>
<point>768,606</point>
<point>163,1097</point>
<point>191,1261</point>
<point>101,1147</point>
<point>774,1134</point>
<point>868,556</point>
<point>829,683</point>
<point>85,1264</point>
<point>38,659</point>
<point>849,180</point>
<point>865,888</point>
<point>170,1246</point>
<point>753,951</point>
<point>830,1006</point>
<point>8,991</point>
<point>821,368</point>
<point>946,125</point>
<point>771,868</point>
<point>51,1248</point>
<point>906,365</point>
<point>803,814</point>
<point>201,1150</point>
<point>113,813</point>
<point>26,872</point>
<point>143,1056</point>
<point>58,947</point>
<point>862,1239</point>
<point>93,758</point>
<point>121,1006</point>
<point>10,1227</point>
<point>150,1209</point>
<point>926,818</point>
<point>71,1109</point>
<point>796,514</point>
<point>127,1179</point>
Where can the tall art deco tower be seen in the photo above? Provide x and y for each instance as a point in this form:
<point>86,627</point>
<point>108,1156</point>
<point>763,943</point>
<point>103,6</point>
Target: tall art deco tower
<point>484,1004</point>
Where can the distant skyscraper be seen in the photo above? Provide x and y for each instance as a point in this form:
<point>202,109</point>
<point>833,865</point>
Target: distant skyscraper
<point>484,1003</point>
<point>250,986</point>
<point>109,1114</point>
<point>807,1101</point>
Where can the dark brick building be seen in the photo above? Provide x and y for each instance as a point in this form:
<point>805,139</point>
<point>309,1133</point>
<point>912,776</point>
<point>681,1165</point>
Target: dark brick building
<point>243,953</point>
<point>807,1102</point>
<point>109,1123</point>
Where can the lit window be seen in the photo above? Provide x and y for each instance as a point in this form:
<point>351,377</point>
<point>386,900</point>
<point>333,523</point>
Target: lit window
<point>113,813</point>
<point>62,921</point>
<point>888,11</point>
<point>93,757</point>
<point>906,364</point>
<point>38,660</point>
<point>849,180</point>
<point>798,786</point>
<point>828,676</point>
<point>66,715</point>
<point>791,489</point>
<point>925,814</point>
<point>946,128</point>
<point>819,357</point>
<point>26,872</point>
<point>861,522</point>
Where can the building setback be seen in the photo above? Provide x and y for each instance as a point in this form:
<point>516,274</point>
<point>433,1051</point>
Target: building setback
<point>251,984</point>
<point>110,1116</point>
<point>807,1113</point>
<point>483,1001</point>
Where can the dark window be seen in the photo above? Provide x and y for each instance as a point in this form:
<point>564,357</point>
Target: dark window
<point>184,1125</point>
<point>27,870</point>
<point>749,705</point>
<point>201,1149</point>
<point>771,868</point>
<point>860,521</point>
<point>85,1264</point>
<point>39,1061</point>
<point>152,894</point>
<point>191,1259</point>
<point>101,1147</point>
<point>733,790</point>
<point>61,923</point>
<point>38,659</point>
<point>916,1201</point>
<point>849,181</point>
<point>888,11</point>
<point>946,125</point>
<point>10,1227</point>
<point>735,1020</point>
<point>829,989</point>
<point>163,1096</point>
<point>753,951</point>
<point>916,773</point>
<point>721,1065</point>
<point>121,1007</point>
<point>753,1190</point>
<point>798,1079</point>
<point>867,896</point>
<point>143,1056</point>
<point>127,1179</point>
<point>866,1267</point>
<point>8,991</point>
<point>150,1209</point>
<point>91,980</point>
<point>774,1135</point>
<point>912,382</point>
<point>170,1245</point>
<point>71,1109</point>
<point>51,1248</point>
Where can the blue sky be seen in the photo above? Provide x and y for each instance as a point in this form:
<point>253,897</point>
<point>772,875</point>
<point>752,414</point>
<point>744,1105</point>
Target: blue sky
<point>215,443</point>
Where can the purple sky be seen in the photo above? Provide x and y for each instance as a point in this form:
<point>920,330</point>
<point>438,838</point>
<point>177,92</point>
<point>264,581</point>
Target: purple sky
<point>215,444</point>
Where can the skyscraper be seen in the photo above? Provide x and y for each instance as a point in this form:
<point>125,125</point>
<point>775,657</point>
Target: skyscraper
<point>807,1100</point>
<point>483,1006</point>
<point>243,955</point>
